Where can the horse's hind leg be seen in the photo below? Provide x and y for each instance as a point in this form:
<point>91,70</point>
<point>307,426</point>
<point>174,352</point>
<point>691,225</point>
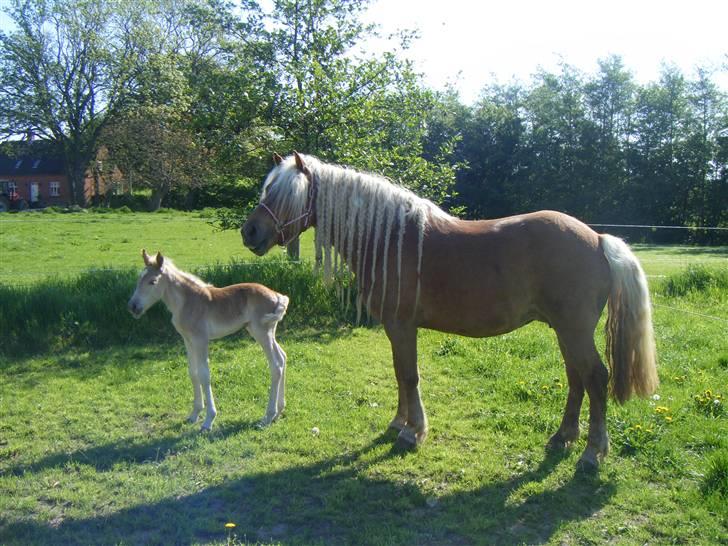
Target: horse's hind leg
<point>582,356</point>
<point>569,430</point>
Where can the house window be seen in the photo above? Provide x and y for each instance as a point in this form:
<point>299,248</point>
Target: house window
<point>12,187</point>
<point>18,163</point>
<point>36,163</point>
<point>55,189</point>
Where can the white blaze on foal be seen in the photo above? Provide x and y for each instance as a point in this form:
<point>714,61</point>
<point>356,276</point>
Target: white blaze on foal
<point>201,312</point>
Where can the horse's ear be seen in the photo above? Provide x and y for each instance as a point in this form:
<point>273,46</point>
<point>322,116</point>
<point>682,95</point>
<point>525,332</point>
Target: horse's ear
<point>160,260</point>
<point>146,258</point>
<point>277,160</point>
<point>300,165</point>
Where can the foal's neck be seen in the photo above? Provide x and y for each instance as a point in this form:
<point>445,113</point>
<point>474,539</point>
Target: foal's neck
<point>176,291</point>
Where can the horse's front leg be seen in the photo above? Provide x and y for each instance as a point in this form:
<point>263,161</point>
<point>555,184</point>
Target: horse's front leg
<point>403,338</point>
<point>199,361</point>
<point>197,405</point>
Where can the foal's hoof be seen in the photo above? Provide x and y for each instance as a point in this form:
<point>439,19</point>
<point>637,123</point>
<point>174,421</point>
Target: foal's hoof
<point>206,428</point>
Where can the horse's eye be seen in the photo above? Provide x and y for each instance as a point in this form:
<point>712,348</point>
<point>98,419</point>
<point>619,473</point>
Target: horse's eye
<point>154,281</point>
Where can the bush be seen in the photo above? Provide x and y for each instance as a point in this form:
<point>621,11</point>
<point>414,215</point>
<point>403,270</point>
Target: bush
<point>90,310</point>
<point>695,279</point>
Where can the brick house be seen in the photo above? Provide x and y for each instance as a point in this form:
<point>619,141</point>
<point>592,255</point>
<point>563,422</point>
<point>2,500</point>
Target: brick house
<point>42,181</point>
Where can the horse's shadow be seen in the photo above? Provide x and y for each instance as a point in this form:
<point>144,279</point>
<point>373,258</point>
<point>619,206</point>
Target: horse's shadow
<point>330,501</point>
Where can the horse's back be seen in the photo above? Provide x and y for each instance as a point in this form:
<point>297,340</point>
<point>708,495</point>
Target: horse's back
<point>493,276</point>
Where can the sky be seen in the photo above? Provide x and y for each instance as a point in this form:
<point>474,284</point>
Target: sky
<point>472,43</point>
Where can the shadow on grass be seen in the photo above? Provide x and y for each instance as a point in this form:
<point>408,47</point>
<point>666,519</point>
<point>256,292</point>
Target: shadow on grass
<point>333,501</point>
<point>103,458</point>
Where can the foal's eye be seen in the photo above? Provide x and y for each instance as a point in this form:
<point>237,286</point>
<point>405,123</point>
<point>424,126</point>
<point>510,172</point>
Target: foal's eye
<point>154,281</point>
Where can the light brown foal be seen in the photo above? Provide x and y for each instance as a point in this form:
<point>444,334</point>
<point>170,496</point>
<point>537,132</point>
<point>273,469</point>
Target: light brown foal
<point>201,312</point>
<point>417,266</point>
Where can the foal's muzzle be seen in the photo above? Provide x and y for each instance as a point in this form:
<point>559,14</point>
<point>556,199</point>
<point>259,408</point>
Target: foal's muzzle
<point>135,309</point>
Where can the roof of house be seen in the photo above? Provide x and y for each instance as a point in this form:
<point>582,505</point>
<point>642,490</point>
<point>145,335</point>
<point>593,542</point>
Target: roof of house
<point>28,166</point>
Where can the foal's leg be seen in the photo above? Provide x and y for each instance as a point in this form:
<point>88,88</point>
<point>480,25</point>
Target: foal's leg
<point>197,404</point>
<point>281,400</point>
<point>265,336</point>
<point>403,338</point>
<point>198,355</point>
<point>569,430</point>
<point>594,376</point>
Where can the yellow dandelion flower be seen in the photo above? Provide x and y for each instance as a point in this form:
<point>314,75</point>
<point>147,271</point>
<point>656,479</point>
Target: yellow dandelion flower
<point>230,525</point>
<point>638,427</point>
<point>668,418</point>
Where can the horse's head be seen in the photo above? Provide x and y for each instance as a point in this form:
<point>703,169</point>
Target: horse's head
<point>286,206</point>
<point>150,286</point>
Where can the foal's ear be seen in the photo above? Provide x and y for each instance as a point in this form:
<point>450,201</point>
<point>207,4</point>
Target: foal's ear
<point>300,165</point>
<point>277,160</point>
<point>146,258</point>
<point>160,260</point>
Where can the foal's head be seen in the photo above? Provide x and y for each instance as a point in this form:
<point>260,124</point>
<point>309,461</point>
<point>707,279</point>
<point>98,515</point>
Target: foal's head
<point>150,287</point>
<point>286,206</point>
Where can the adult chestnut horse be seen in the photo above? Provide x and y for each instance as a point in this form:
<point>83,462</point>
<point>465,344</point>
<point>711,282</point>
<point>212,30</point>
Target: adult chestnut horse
<point>416,266</point>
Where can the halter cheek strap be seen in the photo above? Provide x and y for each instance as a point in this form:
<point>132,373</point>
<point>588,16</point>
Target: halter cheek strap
<point>280,226</point>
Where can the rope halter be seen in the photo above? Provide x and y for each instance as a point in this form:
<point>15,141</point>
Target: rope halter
<point>280,226</point>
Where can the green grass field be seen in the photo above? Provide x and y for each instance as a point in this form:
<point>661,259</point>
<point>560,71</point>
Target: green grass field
<point>94,448</point>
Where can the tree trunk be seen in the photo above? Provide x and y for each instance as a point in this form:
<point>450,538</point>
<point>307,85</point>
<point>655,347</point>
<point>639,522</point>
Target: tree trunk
<point>156,201</point>
<point>294,249</point>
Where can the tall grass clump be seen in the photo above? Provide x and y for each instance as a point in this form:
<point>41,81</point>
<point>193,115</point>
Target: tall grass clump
<point>89,310</point>
<point>695,279</point>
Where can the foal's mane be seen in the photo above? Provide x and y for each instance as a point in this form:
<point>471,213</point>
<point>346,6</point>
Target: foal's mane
<point>182,277</point>
<point>358,215</point>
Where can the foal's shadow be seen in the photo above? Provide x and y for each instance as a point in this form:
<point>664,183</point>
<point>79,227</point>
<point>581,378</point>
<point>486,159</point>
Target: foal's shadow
<point>178,439</point>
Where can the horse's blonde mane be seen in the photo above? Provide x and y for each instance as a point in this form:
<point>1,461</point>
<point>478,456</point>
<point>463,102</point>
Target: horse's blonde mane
<point>356,213</point>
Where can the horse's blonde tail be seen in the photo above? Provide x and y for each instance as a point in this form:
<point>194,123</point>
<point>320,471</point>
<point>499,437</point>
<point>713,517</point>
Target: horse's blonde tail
<point>630,338</point>
<point>278,312</point>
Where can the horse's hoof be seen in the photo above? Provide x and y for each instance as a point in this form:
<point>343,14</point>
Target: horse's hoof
<point>206,428</point>
<point>588,466</point>
<point>557,444</point>
<point>396,425</point>
<point>406,440</point>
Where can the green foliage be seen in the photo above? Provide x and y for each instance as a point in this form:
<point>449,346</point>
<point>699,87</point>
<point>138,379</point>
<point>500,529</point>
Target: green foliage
<point>695,279</point>
<point>89,310</point>
<point>716,477</point>
<point>710,403</point>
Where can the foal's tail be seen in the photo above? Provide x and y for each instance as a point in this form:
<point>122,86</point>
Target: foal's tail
<point>630,339</point>
<point>278,312</point>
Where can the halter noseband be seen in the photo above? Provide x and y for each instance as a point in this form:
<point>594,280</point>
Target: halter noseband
<point>280,226</point>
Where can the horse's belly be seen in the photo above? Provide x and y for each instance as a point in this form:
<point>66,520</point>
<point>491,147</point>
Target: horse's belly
<point>472,320</point>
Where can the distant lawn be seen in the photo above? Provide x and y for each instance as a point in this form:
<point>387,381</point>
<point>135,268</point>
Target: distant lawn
<point>37,245</point>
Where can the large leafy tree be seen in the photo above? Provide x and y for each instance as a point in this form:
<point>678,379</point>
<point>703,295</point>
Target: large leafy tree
<point>72,66</point>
